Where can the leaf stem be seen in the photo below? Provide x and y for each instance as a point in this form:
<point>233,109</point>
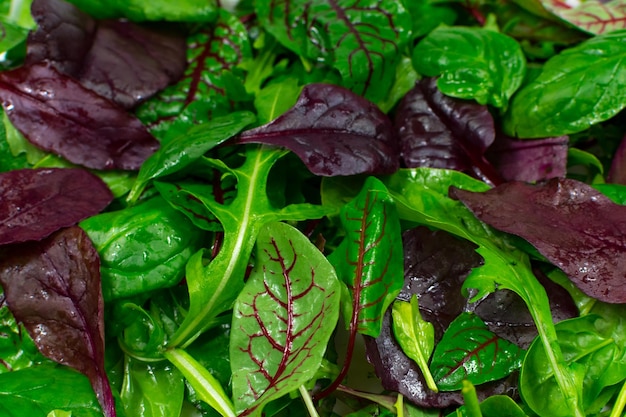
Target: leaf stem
<point>472,407</point>
<point>618,408</point>
<point>308,401</point>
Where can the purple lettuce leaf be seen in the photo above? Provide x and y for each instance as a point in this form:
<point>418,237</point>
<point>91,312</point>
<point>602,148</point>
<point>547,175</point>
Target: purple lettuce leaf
<point>60,115</point>
<point>38,202</point>
<point>574,226</point>
<point>122,61</point>
<point>529,160</point>
<point>438,131</point>
<point>53,288</point>
<point>334,132</point>
<point>436,265</point>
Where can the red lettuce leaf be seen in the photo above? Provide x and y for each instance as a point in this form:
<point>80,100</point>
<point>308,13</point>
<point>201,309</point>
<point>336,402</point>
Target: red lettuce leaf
<point>574,226</point>
<point>334,132</point>
<point>38,202</point>
<point>60,115</point>
<point>122,61</point>
<point>53,288</point>
<point>438,131</point>
<point>436,265</point>
<point>529,160</point>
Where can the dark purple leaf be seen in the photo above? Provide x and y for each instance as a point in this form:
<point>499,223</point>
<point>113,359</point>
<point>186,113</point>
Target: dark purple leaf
<point>53,288</point>
<point>574,226</point>
<point>119,60</point>
<point>38,202</point>
<point>529,160</point>
<point>438,131</point>
<point>617,172</point>
<point>59,115</point>
<point>436,265</point>
<point>334,132</point>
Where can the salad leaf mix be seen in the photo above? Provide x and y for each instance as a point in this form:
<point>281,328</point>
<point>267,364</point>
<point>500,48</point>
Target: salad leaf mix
<point>324,208</point>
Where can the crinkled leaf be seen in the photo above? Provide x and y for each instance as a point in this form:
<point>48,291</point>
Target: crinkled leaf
<point>210,82</point>
<point>283,318</point>
<point>156,10</point>
<point>38,202</point>
<point>530,160</point>
<point>361,39</point>
<point>473,63</point>
<point>442,132</point>
<point>53,287</point>
<point>469,351</point>
<point>62,116</point>
<point>38,390</point>
<point>592,16</point>
<point>577,88</point>
<point>334,132</point>
<point>119,60</point>
<point>574,226</point>
<point>178,153</point>
<point>143,247</point>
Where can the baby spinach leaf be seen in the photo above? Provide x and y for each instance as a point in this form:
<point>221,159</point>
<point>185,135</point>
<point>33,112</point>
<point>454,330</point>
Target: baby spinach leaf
<point>38,390</point>
<point>574,226</point>
<point>438,131</point>
<point>142,248</point>
<point>334,132</point>
<point>138,10</point>
<point>62,116</point>
<point>469,351</point>
<point>576,89</point>
<point>494,406</point>
<point>415,335</point>
<point>38,202</point>
<point>472,63</point>
<point>53,287</point>
<point>282,319</point>
<point>151,389</point>
<point>178,153</point>
<point>213,287</point>
<point>362,40</point>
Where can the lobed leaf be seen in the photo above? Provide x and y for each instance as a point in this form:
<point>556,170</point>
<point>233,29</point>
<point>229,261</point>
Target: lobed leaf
<point>53,287</point>
<point>577,88</point>
<point>574,226</point>
<point>282,319</point>
<point>438,131</point>
<point>472,63</point>
<point>38,202</point>
<point>60,115</point>
<point>334,132</point>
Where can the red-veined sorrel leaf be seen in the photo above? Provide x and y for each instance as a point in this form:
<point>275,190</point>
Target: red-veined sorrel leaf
<point>38,202</point>
<point>574,226</point>
<point>468,350</point>
<point>592,16</point>
<point>438,131</point>
<point>361,39</point>
<point>60,115</point>
<point>53,287</point>
<point>282,319</point>
<point>208,82</point>
<point>334,132</point>
<point>119,60</point>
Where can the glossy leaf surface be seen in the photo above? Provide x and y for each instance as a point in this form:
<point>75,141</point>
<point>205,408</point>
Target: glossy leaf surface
<point>469,351</point>
<point>282,319</point>
<point>574,226</point>
<point>184,10</point>
<point>334,132</point>
<point>472,63</point>
<point>53,287</point>
<point>592,16</point>
<point>36,203</point>
<point>577,88</point>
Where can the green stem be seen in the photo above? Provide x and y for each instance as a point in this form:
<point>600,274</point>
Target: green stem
<point>472,407</point>
<point>206,386</point>
<point>618,408</point>
<point>308,401</point>
<point>400,405</point>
